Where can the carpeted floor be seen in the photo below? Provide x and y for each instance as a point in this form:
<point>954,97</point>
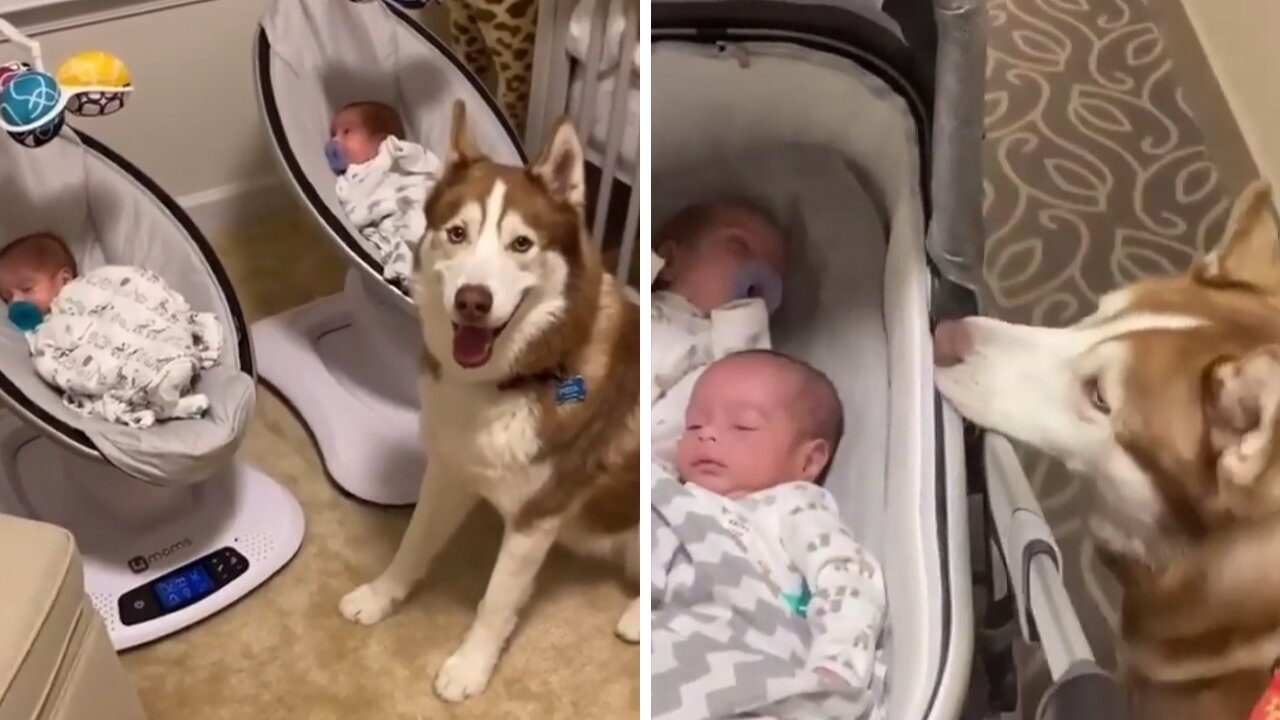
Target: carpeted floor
<point>285,652</point>
<point>1095,175</point>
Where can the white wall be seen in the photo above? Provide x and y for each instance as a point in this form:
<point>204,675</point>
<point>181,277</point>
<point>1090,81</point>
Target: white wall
<point>1226,58</point>
<point>193,122</point>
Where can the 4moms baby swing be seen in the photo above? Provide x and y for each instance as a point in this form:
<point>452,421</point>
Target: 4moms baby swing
<point>347,362</point>
<point>171,526</point>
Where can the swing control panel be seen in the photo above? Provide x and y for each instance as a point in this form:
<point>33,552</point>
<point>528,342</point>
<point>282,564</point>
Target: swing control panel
<point>184,586</point>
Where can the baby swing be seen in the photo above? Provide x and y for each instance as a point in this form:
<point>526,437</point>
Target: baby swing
<point>171,525</point>
<point>347,362</point>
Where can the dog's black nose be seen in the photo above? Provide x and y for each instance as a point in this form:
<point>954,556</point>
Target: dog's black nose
<point>472,302</point>
<point>951,342</point>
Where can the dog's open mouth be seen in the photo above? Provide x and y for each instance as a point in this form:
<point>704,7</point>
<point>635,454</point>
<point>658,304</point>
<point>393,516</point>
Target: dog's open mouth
<point>473,344</point>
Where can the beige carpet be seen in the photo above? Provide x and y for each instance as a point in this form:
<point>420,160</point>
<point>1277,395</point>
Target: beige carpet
<point>285,652</point>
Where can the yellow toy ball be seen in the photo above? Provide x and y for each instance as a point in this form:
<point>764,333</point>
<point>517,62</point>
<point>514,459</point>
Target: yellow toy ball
<point>101,71</point>
<point>96,68</point>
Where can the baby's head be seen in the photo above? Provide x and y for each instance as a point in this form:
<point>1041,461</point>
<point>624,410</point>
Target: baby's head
<point>358,131</point>
<point>757,419</point>
<point>34,268</point>
<point>710,250</point>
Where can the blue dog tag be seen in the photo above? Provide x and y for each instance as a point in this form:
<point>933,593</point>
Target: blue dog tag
<point>571,390</point>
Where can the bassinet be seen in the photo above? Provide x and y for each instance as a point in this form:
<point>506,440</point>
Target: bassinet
<point>171,526</point>
<point>347,362</point>
<point>832,117</point>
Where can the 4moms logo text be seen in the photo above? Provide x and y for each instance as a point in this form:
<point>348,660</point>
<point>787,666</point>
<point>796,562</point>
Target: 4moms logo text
<point>140,563</point>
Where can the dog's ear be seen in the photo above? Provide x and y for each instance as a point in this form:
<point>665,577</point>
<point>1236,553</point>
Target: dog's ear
<point>1242,402</point>
<point>462,144</point>
<point>561,165</point>
<point>1249,252</point>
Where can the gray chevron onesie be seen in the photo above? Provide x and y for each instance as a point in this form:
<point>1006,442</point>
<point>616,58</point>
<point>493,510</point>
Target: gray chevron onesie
<point>732,636</point>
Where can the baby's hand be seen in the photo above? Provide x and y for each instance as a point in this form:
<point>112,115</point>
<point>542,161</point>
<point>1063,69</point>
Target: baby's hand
<point>830,678</point>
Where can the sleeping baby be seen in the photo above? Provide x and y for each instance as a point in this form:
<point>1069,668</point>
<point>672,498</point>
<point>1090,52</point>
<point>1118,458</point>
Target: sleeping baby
<point>383,182</point>
<point>720,267</point>
<point>751,558</point>
<point>117,341</point>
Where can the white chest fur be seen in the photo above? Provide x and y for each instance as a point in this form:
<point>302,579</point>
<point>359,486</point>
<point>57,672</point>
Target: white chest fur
<point>486,438</point>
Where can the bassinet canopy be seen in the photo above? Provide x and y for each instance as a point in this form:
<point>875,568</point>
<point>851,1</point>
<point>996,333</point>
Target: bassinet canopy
<point>929,51</point>
<point>109,212</point>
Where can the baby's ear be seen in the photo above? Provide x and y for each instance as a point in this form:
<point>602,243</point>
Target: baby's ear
<point>814,456</point>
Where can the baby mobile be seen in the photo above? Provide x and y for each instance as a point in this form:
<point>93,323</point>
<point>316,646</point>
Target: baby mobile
<point>33,102</point>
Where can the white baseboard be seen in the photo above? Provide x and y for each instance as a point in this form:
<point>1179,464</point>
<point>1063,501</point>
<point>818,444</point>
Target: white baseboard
<point>220,210</point>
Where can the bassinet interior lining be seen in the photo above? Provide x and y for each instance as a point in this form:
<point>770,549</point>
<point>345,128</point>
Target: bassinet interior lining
<point>832,151</point>
<point>325,54</point>
<point>106,217</point>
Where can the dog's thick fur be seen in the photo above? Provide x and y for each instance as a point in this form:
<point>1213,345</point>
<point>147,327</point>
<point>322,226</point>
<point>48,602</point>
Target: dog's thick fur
<point>1167,397</point>
<point>569,471</point>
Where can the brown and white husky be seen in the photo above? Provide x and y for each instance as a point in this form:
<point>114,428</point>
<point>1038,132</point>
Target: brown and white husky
<point>530,389</point>
<point>1167,397</point>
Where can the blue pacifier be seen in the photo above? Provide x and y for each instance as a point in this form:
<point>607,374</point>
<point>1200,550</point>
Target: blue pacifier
<point>337,158</point>
<point>25,316</point>
<point>757,279</point>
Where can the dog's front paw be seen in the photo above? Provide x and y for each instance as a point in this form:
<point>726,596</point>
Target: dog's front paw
<point>367,605</point>
<point>465,674</point>
<point>628,627</point>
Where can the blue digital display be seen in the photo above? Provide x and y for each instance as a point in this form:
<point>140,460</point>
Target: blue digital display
<point>183,587</point>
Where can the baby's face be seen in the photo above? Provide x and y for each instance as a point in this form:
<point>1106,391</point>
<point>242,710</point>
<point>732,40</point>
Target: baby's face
<point>742,434</point>
<point>704,268</point>
<point>355,136</point>
<point>21,279</point>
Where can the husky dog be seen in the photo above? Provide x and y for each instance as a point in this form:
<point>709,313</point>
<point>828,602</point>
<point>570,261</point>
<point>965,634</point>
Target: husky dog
<point>1167,397</point>
<point>530,389</point>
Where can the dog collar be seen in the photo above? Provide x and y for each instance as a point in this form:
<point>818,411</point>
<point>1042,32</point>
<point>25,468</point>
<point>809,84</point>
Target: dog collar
<point>527,380</point>
<point>569,390</point>
<point>1268,706</point>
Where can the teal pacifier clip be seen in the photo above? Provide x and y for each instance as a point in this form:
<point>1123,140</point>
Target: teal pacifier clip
<point>799,602</point>
<point>25,316</point>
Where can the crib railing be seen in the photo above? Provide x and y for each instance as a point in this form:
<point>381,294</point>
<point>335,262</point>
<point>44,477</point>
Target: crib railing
<point>553,72</point>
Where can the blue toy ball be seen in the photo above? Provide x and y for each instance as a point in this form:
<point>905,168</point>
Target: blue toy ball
<point>25,316</point>
<point>31,97</point>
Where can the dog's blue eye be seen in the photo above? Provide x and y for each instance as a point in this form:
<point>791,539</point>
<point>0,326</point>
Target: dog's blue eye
<point>455,233</point>
<point>521,244</point>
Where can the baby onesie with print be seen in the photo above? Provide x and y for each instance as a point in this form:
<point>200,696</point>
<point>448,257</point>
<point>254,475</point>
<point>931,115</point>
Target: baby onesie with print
<point>796,536</point>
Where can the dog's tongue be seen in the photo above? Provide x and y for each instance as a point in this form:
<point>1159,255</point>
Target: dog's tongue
<point>472,345</point>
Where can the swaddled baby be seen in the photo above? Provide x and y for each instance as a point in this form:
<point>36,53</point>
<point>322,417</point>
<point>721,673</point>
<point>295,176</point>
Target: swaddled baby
<point>383,182</point>
<point>720,267</point>
<point>118,341</point>
<point>760,431</point>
